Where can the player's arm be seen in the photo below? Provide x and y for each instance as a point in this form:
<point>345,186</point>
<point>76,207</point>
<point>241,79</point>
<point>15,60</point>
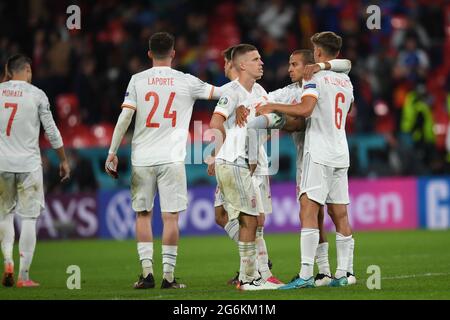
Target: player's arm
<point>54,136</point>
<point>120,129</point>
<point>294,124</point>
<point>303,109</point>
<point>203,90</point>
<point>129,106</point>
<point>225,106</point>
<point>216,123</point>
<point>336,65</point>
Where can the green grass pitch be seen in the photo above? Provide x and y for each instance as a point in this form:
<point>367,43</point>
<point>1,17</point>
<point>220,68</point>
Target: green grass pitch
<point>414,265</point>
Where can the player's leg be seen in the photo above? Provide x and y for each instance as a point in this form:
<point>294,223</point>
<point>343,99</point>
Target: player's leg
<point>312,198</point>
<point>240,198</point>
<point>8,198</point>
<point>172,187</point>
<point>7,244</point>
<point>337,202</point>
<point>261,249</point>
<point>351,278</point>
<point>231,227</point>
<point>30,203</point>
<point>27,245</point>
<point>247,249</point>
<point>323,278</point>
<point>264,203</point>
<point>143,190</point>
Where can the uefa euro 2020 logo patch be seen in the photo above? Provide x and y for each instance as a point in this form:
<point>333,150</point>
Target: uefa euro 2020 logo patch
<point>223,101</point>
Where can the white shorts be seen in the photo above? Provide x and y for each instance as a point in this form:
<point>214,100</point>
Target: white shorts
<point>22,193</point>
<point>237,188</point>
<point>263,196</point>
<point>168,179</point>
<point>324,184</point>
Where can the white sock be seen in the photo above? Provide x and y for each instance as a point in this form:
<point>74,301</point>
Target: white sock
<point>7,238</point>
<point>145,251</point>
<point>342,249</point>
<point>232,229</point>
<point>247,254</point>
<point>322,258</point>
<point>309,240</point>
<point>350,257</point>
<point>262,256</point>
<point>169,254</point>
<point>27,244</point>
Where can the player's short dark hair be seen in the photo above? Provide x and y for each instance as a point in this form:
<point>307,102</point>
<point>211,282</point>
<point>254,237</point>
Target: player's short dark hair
<point>329,41</point>
<point>17,63</point>
<point>161,44</point>
<point>242,49</point>
<point>307,55</point>
<point>227,53</point>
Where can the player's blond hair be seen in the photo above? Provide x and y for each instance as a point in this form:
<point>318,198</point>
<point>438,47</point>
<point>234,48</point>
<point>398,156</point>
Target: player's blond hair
<point>329,41</point>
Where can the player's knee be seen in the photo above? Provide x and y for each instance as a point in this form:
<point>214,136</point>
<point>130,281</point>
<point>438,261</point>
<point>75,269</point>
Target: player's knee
<point>170,218</point>
<point>220,216</point>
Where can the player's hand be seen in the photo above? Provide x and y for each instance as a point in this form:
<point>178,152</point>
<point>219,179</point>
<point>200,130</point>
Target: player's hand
<point>210,161</point>
<point>309,71</point>
<point>264,109</point>
<point>111,165</point>
<point>64,171</point>
<point>211,170</point>
<point>241,116</point>
<point>252,168</point>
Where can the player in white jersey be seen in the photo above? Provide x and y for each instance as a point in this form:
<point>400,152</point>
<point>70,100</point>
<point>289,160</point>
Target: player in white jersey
<point>326,101</point>
<point>232,167</point>
<point>23,108</point>
<point>163,99</point>
<point>264,265</point>
<point>301,64</point>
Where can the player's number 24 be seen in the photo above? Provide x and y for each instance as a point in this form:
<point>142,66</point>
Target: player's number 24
<point>167,114</point>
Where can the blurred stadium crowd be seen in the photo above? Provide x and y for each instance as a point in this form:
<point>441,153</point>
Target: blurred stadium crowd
<point>400,123</point>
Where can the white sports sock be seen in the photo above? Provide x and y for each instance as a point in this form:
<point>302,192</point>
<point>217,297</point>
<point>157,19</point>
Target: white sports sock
<point>322,258</point>
<point>262,256</point>
<point>350,257</point>
<point>145,251</point>
<point>342,249</point>
<point>247,254</point>
<point>169,254</point>
<point>309,240</point>
<point>7,238</point>
<point>27,244</point>
<point>232,229</point>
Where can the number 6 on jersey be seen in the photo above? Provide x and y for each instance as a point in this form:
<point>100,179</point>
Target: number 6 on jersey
<point>337,110</point>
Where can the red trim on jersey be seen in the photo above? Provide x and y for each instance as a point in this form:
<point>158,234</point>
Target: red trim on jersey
<point>128,106</point>
<point>211,93</point>
<point>219,113</point>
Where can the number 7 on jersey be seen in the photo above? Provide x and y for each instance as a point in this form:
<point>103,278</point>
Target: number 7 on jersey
<point>11,117</point>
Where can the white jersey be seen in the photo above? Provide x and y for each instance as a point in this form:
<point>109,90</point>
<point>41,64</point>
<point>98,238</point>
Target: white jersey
<point>163,99</point>
<point>291,94</point>
<point>23,107</point>
<point>325,138</point>
<point>235,146</point>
